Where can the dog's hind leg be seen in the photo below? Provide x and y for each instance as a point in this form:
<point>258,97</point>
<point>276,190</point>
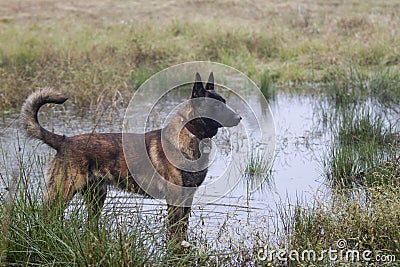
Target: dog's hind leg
<point>63,181</point>
<point>94,193</point>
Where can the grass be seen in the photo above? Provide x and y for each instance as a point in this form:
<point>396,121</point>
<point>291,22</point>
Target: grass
<point>93,47</point>
<point>384,86</point>
<point>361,167</point>
<point>257,171</point>
<point>29,237</point>
<point>266,86</point>
<point>258,163</point>
<point>362,140</point>
<point>353,86</point>
<point>100,52</point>
<point>364,128</point>
<point>360,111</point>
<point>35,239</point>
<point>366,221</point>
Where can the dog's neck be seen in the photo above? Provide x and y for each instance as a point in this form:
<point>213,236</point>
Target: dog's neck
<point>195,132</point>
<point>185,137</point>
<point>180,138</point>
<point>201,129</point>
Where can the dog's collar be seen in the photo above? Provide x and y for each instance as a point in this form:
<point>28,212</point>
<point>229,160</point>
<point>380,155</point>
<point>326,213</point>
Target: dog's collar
<point>193,131</point>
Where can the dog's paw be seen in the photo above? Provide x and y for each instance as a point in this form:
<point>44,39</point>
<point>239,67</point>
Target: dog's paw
<point>185,244</point>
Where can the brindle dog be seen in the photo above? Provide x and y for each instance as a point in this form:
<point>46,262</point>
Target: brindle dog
<point>87,163</point>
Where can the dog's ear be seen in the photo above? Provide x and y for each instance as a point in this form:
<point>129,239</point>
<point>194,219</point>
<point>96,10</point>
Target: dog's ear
<point>198,87</point>
<point>210,83</point>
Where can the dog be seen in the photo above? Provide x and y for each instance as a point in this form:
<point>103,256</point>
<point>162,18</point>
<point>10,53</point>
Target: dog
<point>88,163</point>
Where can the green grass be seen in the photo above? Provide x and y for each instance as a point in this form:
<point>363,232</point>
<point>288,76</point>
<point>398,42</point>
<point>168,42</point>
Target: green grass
<point>257,171</point>
<point>366,127</point>
<point>112,50</point>
<point>135,238</point>
<point>258,163</point>
<point>27,237</point>
<point>384,86</point>
<point>345,88</point>
<point>362,140</point>
<point>359,111</point>
<point>266,86</point>
<point>100,52</point>
<point>361,166</point>
<point>366,221</point>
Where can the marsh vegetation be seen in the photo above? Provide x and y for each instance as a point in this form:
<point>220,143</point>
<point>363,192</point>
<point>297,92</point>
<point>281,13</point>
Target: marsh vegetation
<point>330,72</point>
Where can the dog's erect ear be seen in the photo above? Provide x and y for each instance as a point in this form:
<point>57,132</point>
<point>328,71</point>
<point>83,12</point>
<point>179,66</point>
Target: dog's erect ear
<point>210,83</point>
<point>198,87</point>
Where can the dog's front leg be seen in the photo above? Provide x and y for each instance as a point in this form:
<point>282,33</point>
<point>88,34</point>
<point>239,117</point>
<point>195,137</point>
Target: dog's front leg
<point>178,216</point>
<point>177,223</point>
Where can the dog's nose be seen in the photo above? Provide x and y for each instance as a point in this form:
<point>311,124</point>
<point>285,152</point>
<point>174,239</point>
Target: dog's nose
<point>238,119</point>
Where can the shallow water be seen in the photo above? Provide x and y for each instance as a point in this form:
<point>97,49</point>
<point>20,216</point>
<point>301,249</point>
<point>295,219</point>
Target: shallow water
<point>296,174</point>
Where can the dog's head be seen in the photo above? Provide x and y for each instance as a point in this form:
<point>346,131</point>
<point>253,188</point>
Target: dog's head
<point>210,111</point>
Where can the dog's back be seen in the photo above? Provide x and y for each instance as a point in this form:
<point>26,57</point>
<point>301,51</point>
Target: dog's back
<point>88,162</point>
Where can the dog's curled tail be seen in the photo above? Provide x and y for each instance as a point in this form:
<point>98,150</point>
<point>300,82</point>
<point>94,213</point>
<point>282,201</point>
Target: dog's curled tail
<point>29,116</point>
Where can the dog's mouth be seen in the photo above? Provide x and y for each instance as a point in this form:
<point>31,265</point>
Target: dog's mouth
<point>232,122</point>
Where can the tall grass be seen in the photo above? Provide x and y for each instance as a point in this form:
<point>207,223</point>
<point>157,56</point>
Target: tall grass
<point>353,86</point>
<point>367,221</point>
<point>258,170</point>
<point>30,238</point>
<point>267,87</point>
<point>364,131</point>
<point>33,238</point>
<point>128,234</point>
<point>362,140</point>
<point>362,168</point>
<point>99,61</point>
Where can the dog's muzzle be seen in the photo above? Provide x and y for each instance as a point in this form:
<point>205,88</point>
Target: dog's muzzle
<point>233,121</point>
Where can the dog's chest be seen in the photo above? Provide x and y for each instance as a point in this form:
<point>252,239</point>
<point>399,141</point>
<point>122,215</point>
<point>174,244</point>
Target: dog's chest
<point>193,179</point>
